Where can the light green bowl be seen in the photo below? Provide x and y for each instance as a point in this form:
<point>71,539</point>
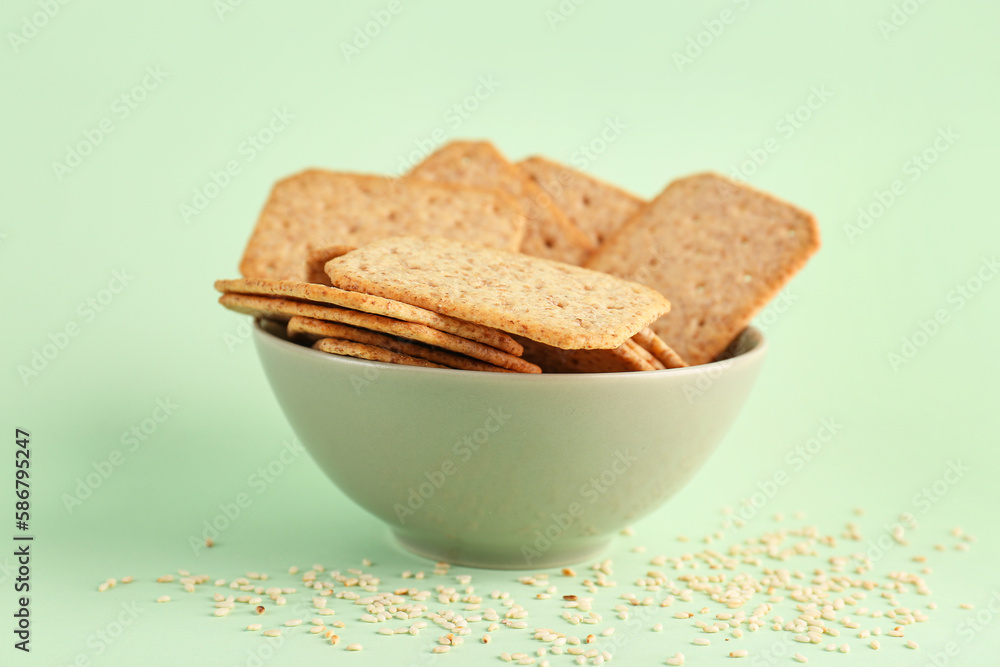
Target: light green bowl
<point>506,470</point>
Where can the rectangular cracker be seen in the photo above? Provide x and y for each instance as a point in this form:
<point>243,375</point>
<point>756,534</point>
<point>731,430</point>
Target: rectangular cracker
<point>285,309</point>
<point>719,250</point>
<point>652,362</point>
<point>317,208</point>
<point>347,348</point>
<point>597,208</point>
<point>308,328</point>
<point>549,233</point>
<point>550,302</point>
<point>550,359</point>
<point>328,295</point>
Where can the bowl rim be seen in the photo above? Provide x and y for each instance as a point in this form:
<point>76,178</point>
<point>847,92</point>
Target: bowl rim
<point>754,354</point>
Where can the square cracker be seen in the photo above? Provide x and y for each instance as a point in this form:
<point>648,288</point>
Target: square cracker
<point>660,351</point>
<point>549,233</point>
<point>564,306</point>
<point>622,359</point>
<point>306,327</point>
<point>597,208</point>
<point>317,208</point>
<point>718,249</point>
<point>328,295</point>
<point>283,310</point>
<point>347,348</point>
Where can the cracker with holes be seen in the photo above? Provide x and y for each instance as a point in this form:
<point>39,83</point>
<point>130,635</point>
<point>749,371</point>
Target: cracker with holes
<point>317,209</point>
<point>719,250</point>
<point>557,304</point>
<point>597,208</point>
<point>549,233</point>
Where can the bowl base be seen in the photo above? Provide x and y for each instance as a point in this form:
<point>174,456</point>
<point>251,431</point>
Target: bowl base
<point>514,558</point>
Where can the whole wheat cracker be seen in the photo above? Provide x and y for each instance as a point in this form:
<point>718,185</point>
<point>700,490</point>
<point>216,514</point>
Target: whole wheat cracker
<point>597,208</point>
<point>651,361</point>
<point>317,208</point>
<point>718,249</point>
<point>554,303</point>
<point>284,309</point>
<point>306,327</point>
<point>347,348</point>
<point>622,359</point>
<point>375,305</point>
<point>549,233</point>
<point>662,352</point>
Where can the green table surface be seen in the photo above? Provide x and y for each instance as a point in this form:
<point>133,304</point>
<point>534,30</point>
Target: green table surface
<point>139,142</point>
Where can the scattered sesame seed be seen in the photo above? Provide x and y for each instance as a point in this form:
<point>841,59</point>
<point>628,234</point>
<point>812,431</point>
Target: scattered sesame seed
<point>272,633</point>
<point>163,598</point>
<point>912,644</point>
<point>354,647</point>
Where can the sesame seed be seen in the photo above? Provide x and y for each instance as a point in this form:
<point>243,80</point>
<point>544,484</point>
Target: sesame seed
<point>800,658</point>
<point>845,648</point>
<point>912,644</point>
<point>163,598</point>
<point>658,627</point>
<point>740,653</point>
<point>293,622</point>
<point>874,644</point>
<point>354,647</point>
<point>272,633</point>
<point>222,611</point>
<point>701,641</point>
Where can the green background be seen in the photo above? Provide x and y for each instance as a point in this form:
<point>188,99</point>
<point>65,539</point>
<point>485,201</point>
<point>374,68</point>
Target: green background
<point>559,74</point>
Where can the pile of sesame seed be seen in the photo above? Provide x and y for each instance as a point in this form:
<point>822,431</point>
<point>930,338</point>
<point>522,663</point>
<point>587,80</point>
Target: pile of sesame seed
<point>708,600</point>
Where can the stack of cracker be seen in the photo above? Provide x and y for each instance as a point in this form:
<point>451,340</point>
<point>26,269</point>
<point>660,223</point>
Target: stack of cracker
<point>471,261</point>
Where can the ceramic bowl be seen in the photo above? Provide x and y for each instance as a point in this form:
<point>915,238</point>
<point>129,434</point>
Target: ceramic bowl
<point>507,470</point>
